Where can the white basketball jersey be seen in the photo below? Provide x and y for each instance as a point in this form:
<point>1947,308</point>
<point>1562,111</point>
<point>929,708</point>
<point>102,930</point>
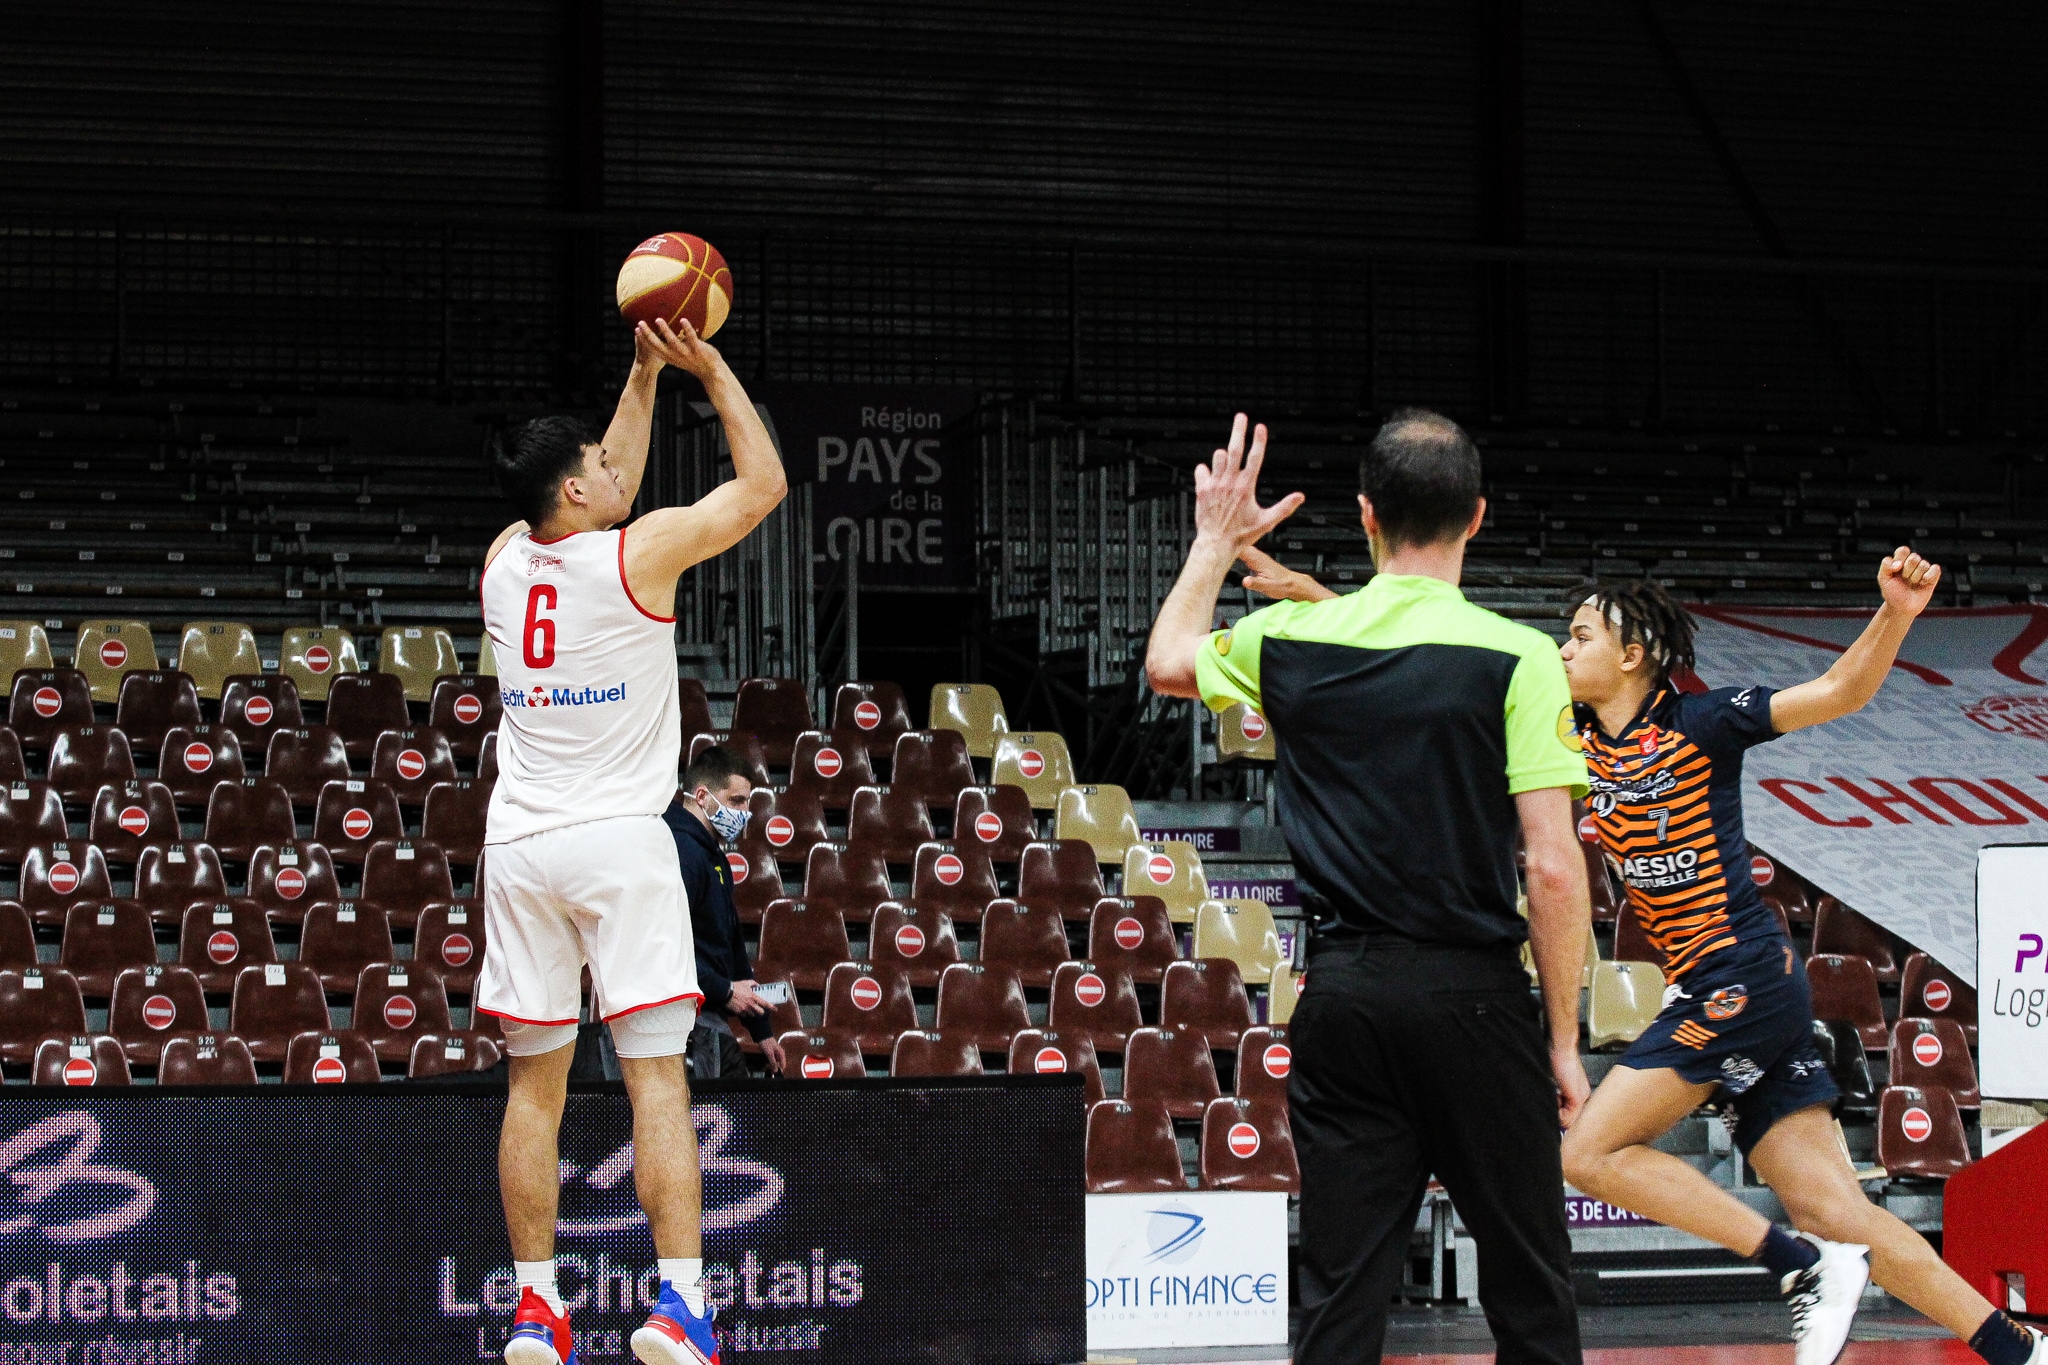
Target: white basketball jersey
<point>591,728</point>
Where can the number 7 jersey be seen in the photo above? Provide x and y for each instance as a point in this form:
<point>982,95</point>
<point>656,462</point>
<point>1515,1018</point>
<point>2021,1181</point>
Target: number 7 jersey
<point>588,677</point>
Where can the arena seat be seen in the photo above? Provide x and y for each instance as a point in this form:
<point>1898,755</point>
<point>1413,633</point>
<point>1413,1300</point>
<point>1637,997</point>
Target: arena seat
<point>1608,903</point>
<point>107,649</point>
<point>362,706</point>
<point>933,766</point>
<point>487,758</point>
<point>756,881</point>
<point>17,936</point>
<point>1621,1000</point>
<point>31,813</point>
<point>350,1058</point>
<point>1171,871</point>
<point>1247,1145</point>
<point>169,877</point>
<point>784,826</point>
<point>974,711</point>
<point>1061,874</point>
<point>23,644</point>
<point>1780,887</point>
<point>449,937</point>
<point>304,759</point>
<point>211,652</point>
<point>206,1059</point>
<point>151,1004</point>
<point>913,939</point>
<point>1131,1150</point>
<point>1206,996</point>
<point>152,703</point>
<point>1846,988</point>
<point>195,757</point>
<point>487,661</point>
<point>1283,993</point>
<point>340,938</point>
<point>1029,940</point>
<point>312,657</point>
<point>873,1013</point>
<point>1920,1133</point>
<point>802,943</point>
<point>956,878</point>
<point>1096,1000</point>
<point>105,1062</point>
<point>84,758</point>
<point>455,816</point>
<point>45,700</point>
<point>811,1055</point>
<point>984,1003</point>
<point>999,818</point>
<point>13,763</point>
<point>128,818</point>
<point>416,656</point>
<point>1841,1048</point>
<point>452,1053</point>
<point>352,815</point>
<point>745,749</point>
<point>1173,1067</point>
<point>875,711</point>
<point>1841,931</point>
<point>465,708</point>
<point>1037,761</point>
<point>787,1017</point>
<point>1632,941</point>
<point>919,1053</point>
<point>396,1002</point>
<point>402,876</point>
<point>849,881</point>
<point>1046,1052</point>
<point>411,761</point>
<point>287,878</point>
<point>1928,990</point>
<point>1241,930</point>
<point>36,1002</point>
<point>890,820</point>
<point>1243,736</point>
<point>1100,816</point>
<point>1133,934</point>
<point>1924,1052</point>
<point>830,768</point>
<point>256,706</point>
<point>241,816</point>
<point>101,939</point>
<point>691,701</point>
<point>1265,1059</point>
<point>219,939</point>
<point>56,874</point>
<point>775,711</point>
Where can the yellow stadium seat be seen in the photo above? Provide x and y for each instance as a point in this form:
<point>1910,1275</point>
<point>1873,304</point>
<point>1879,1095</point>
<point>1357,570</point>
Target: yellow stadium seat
<point>486,657</point>
<point>417,655</point>
<point>214,651</point>
<point>1242,735</point>
<point>1623,999</point>
<point>1101,815</point>
<point>1282,994</point>
<point>1171,871</point>
<point>1592,959</point>
<point>976,710</point>
<point>1035,760</point>
<point>1241,930</point>
<point>22,645</point>
<point>314,656</point>
<point>107,649</point>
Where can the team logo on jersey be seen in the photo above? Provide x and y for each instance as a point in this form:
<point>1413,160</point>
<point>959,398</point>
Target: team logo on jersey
<point>1223,643</point>
<point>539,564</point>
<point>1568,731</point>
<point>1739,1074</point>
<point>1744,699</point>
<point>1727,1002</point>
<point>562,696</point>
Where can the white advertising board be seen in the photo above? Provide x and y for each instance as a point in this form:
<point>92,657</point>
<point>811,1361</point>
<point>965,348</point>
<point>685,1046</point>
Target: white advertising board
<point>2012,972</point>
<point>1193,1269</point>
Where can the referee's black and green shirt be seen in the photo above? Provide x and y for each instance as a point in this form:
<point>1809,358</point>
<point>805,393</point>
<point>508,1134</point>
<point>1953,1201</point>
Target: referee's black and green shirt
<point>1405,720</point>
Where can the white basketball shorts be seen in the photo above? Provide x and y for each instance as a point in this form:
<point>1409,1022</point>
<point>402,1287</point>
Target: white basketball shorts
<point>607,893</point>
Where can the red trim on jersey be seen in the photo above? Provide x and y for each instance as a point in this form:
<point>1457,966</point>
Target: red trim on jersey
<point>556,541</point>
<point>627,588</point>
<point>697,996</point>
<point>534,1023</point>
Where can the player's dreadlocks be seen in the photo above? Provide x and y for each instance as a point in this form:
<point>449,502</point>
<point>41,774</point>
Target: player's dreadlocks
<point>1642,613</point>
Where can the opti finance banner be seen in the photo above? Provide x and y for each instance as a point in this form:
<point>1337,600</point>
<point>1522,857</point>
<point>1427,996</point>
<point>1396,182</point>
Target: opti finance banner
<point>345,1226</point>
<point>1887,808</point>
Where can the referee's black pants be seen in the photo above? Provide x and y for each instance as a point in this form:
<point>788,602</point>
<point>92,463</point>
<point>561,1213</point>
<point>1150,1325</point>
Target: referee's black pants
<point>1412,1059</point>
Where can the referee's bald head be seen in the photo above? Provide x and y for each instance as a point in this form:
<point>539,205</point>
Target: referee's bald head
<point>1421,476</point>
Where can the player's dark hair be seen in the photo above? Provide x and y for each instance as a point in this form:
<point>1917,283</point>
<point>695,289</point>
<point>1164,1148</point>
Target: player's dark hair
<point>1642,613</point>
<point>712,768</point>
<point>533,458</point>
<point>1421,475</point>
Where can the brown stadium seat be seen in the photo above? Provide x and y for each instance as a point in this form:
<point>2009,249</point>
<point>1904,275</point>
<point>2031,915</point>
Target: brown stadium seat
<point>1133,934</point>
<point>214,651</point>
<point>868,1004</point>
<point>256,706</point>
<point>1622,999</point>
<point>812,1055</point>
<point>1841,1047</point>
<point>956,878</point>
<point>450,938</point>
<point>151,1004</point>
<point>101,939</point>
<point>54,875</point>
<point>916,941</point>
<point>1044,1052</point>
<point>1920,1133</point>
<point>919,1053</point>
<point>775,711</point>
<point>403,876</point>
<point>1781,887</point>
<point>455,816</point>
<point>416,656</point>
<point>487,759</point>
<point>303,759</point>
<point>152,703</point>
<point>745,749</point>
<point>1100,816</point>
<point>974,711</point>
<point>829,768</point>
<point>1172,1067</point>
<point>82,1059</point>
<point>31,813</point>
<point>784,826</point>
<point>1028,939</point>
<point>107,649</point>
<point>1038,762</point>
<point>1244,932</point>
<point>84,758</point>
<point>787,1017</point>
<point>23,644</point>
<point>1928,990</point>
<point>312,657</point>
<point>340,938</point>
<point>17,936</point>
<point>13,763</point>
<point>411,761</point>
<point>362,706</point>
<point>695,706</point>
<point>170,877</point>
<point>396,1002</point>
<point>1171,871</point>
<point>851,882</point>
<point>219,939</point>
<point>1838,929</point>
<point>36,1002</point>
<point>1062,875</point>
<point>1845,988</point>
<point>207,1059</point>
<point>354,814</point>
<point>1000,819</point>
<point>1632,941</point>
<point>1095,1000</point>
<point>452,1053</point>
<point>44,701</point>
<point>875,711</point>
<point>287,878</point>
<point>1243,736</point>
<point>933,766</point>
<point>1609,905</point>
<point>329,1057</point>
<point>465,708</point>
<point>983,1003</point>
<point>889,820</point>
<point>129,818</point>
<point>1248,1145</point>
<point>195,757</point>
<point>240,816</point>
<point>1265,1059</point>
<point>756,882</point>
<point>1926,1052</point>
<point>1131,1150</point>
<point>802,943</point>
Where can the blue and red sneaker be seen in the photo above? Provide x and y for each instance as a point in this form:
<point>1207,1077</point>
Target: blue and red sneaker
<point>673,1335</point>
<point>540,1336</point>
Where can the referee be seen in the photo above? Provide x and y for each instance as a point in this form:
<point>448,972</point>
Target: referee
<point>1414,732</point>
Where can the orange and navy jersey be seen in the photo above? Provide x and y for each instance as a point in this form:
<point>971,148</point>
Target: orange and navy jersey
<point>1667,800</point>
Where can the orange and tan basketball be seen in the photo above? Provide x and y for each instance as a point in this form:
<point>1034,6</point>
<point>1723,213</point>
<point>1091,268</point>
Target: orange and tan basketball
<point>675,276</point>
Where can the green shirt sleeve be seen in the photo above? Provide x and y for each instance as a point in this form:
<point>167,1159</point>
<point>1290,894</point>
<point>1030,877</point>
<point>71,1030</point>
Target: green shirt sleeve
<point>1544,749</point>
<point>1227,668</point>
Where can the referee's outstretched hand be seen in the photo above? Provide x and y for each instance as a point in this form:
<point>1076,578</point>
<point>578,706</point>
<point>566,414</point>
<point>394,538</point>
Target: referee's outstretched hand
<point>1227,510</point>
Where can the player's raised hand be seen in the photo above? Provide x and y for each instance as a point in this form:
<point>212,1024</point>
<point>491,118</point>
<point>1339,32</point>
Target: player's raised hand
<point>1269,577</point>
<point>679,346</point>
<point>1907,581</point>
<point>1227,493</point>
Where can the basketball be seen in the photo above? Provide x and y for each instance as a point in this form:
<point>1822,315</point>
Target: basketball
<point>673,275</point>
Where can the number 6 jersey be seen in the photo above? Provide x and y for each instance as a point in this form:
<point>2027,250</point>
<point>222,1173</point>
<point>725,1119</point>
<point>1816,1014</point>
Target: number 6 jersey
<point>588,677</point>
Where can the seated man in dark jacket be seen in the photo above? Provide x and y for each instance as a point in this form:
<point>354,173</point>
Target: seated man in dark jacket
<point>713,807</point>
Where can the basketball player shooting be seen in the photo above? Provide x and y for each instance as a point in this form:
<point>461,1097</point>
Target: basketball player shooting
<point>582,870</point>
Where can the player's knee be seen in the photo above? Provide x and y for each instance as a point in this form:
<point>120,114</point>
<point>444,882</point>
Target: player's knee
<point>1585,1164</point>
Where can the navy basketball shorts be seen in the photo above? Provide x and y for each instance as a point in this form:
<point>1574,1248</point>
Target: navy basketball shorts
<point>1742,1019</point>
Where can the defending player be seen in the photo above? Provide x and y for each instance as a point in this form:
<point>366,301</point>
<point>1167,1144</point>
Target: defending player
<point>1666,774</point>
<point>582,869</point>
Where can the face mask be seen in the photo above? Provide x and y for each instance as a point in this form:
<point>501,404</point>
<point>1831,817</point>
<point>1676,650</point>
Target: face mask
<point>728,822</point>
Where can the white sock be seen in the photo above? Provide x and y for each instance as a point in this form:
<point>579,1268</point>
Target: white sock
<point>539,1276</point>
<point>685,1274</point>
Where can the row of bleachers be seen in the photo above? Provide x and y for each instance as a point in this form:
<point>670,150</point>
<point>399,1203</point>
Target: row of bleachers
<point>315,1057</point>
